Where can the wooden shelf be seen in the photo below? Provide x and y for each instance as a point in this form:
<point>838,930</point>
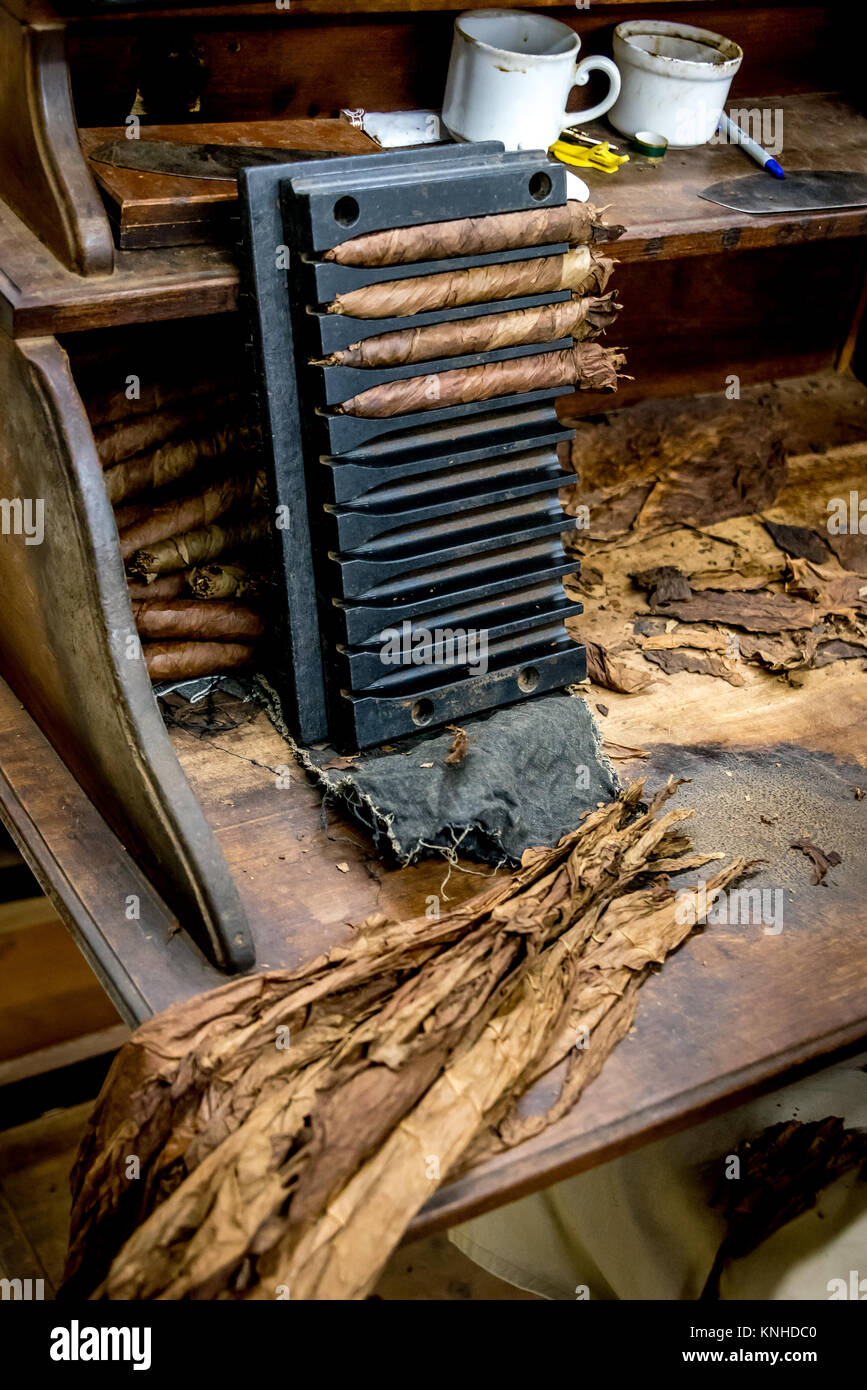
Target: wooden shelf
<point>656,202</point>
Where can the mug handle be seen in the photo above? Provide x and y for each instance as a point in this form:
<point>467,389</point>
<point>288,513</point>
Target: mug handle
<point>582,74</point>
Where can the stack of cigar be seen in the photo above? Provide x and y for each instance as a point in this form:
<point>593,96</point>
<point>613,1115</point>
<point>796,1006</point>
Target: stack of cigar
<point>187,490</point>
<point>583,317</point>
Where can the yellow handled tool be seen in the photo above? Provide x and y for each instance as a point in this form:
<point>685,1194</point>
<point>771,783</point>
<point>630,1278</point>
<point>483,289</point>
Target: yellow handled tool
<point>600,156</point>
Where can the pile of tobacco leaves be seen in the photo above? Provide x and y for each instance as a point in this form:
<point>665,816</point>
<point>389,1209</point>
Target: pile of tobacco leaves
<point>288,1126</point>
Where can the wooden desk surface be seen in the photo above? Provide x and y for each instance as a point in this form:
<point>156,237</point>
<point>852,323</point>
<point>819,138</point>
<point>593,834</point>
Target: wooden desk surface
<point>733,1012</point>
<point>656,202</point>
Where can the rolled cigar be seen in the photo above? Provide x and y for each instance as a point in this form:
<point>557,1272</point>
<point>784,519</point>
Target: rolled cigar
<point>197,547</point>
<point>125,516</point>
<point>167,586</point>
<point>576,318</point>
<point>156,467</point>
<point>577,223</point>
<point>597,277</point>
<point>195,619</point>
<point>123,438</point>
<point>177,661</point>
<point>478,285</point>
<point>587,366</point>
<point>223,581</point>
<point>105,407</point>
<point>190,513</point>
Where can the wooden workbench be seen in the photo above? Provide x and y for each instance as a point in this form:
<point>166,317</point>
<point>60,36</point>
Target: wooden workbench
<point>734,1012</point>
<point>780,300</point>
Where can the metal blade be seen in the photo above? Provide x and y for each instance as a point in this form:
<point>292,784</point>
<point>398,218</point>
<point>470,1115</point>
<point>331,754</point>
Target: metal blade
<point>802,191</point>
<point>196,161</point>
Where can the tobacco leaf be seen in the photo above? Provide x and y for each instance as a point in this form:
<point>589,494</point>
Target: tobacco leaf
<point>838,650</point>
<point>785,651</point>
<point>701,466</point>
<point>622,752</point>
<point>698,638</point>
<point>799,541</point>
<point>781,1173</point>
<point>302,1165</point>
<point>832,590</point>
<point>756,612</point>
<point>703,663</point>
<point>820,860</point>
<point>605,667</point>
<point>850,548</point>
<point>667,584</point>
<point>460,744</point>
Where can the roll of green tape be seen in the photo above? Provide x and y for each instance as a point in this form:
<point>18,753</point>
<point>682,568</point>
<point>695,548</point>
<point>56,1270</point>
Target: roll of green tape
<point>648,143</point>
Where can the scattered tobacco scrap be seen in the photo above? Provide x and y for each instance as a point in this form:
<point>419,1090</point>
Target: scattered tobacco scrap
<point>821,861</point>
<point>290,1124</point>
<point>460,744</point>
<point>782,1173</point>
<point>694,553</point>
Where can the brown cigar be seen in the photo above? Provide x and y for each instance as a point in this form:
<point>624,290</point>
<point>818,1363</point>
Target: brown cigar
<point>123,438</point>
<point>156,467</point>
<point>167,586</point>
<point>194,618</point>
<point>106,407</point>
<point>224,581</point>
<point>575,318</point>
<point>478,285</point>
<point>597,277</point>
<point>130,513</point>
<point>587,366</point>
<point>197,547</point>
<point>189,513</point>
<point>177,661</point>
<point>577,223</point>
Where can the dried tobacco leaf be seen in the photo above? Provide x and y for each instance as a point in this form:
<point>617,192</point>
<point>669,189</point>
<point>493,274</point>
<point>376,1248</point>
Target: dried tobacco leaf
<point>782,1172</point>
<point>820,860</point>
<point>303,1165</point>
<point>460,744</point>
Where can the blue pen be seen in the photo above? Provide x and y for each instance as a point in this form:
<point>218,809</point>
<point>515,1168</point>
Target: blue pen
<point>752,147</point>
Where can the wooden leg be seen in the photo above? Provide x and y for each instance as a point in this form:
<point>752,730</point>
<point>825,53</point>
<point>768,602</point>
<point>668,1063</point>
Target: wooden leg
<point>43,174</point>
<point>847,350</point>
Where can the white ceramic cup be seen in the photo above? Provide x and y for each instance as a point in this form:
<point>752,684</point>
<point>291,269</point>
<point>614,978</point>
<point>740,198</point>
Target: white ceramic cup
<point>676,79</point>
<point>510,77</point>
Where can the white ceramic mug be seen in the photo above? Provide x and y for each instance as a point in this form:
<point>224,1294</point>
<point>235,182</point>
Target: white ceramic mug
<point>676,79</point>
<point>510,77</point>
